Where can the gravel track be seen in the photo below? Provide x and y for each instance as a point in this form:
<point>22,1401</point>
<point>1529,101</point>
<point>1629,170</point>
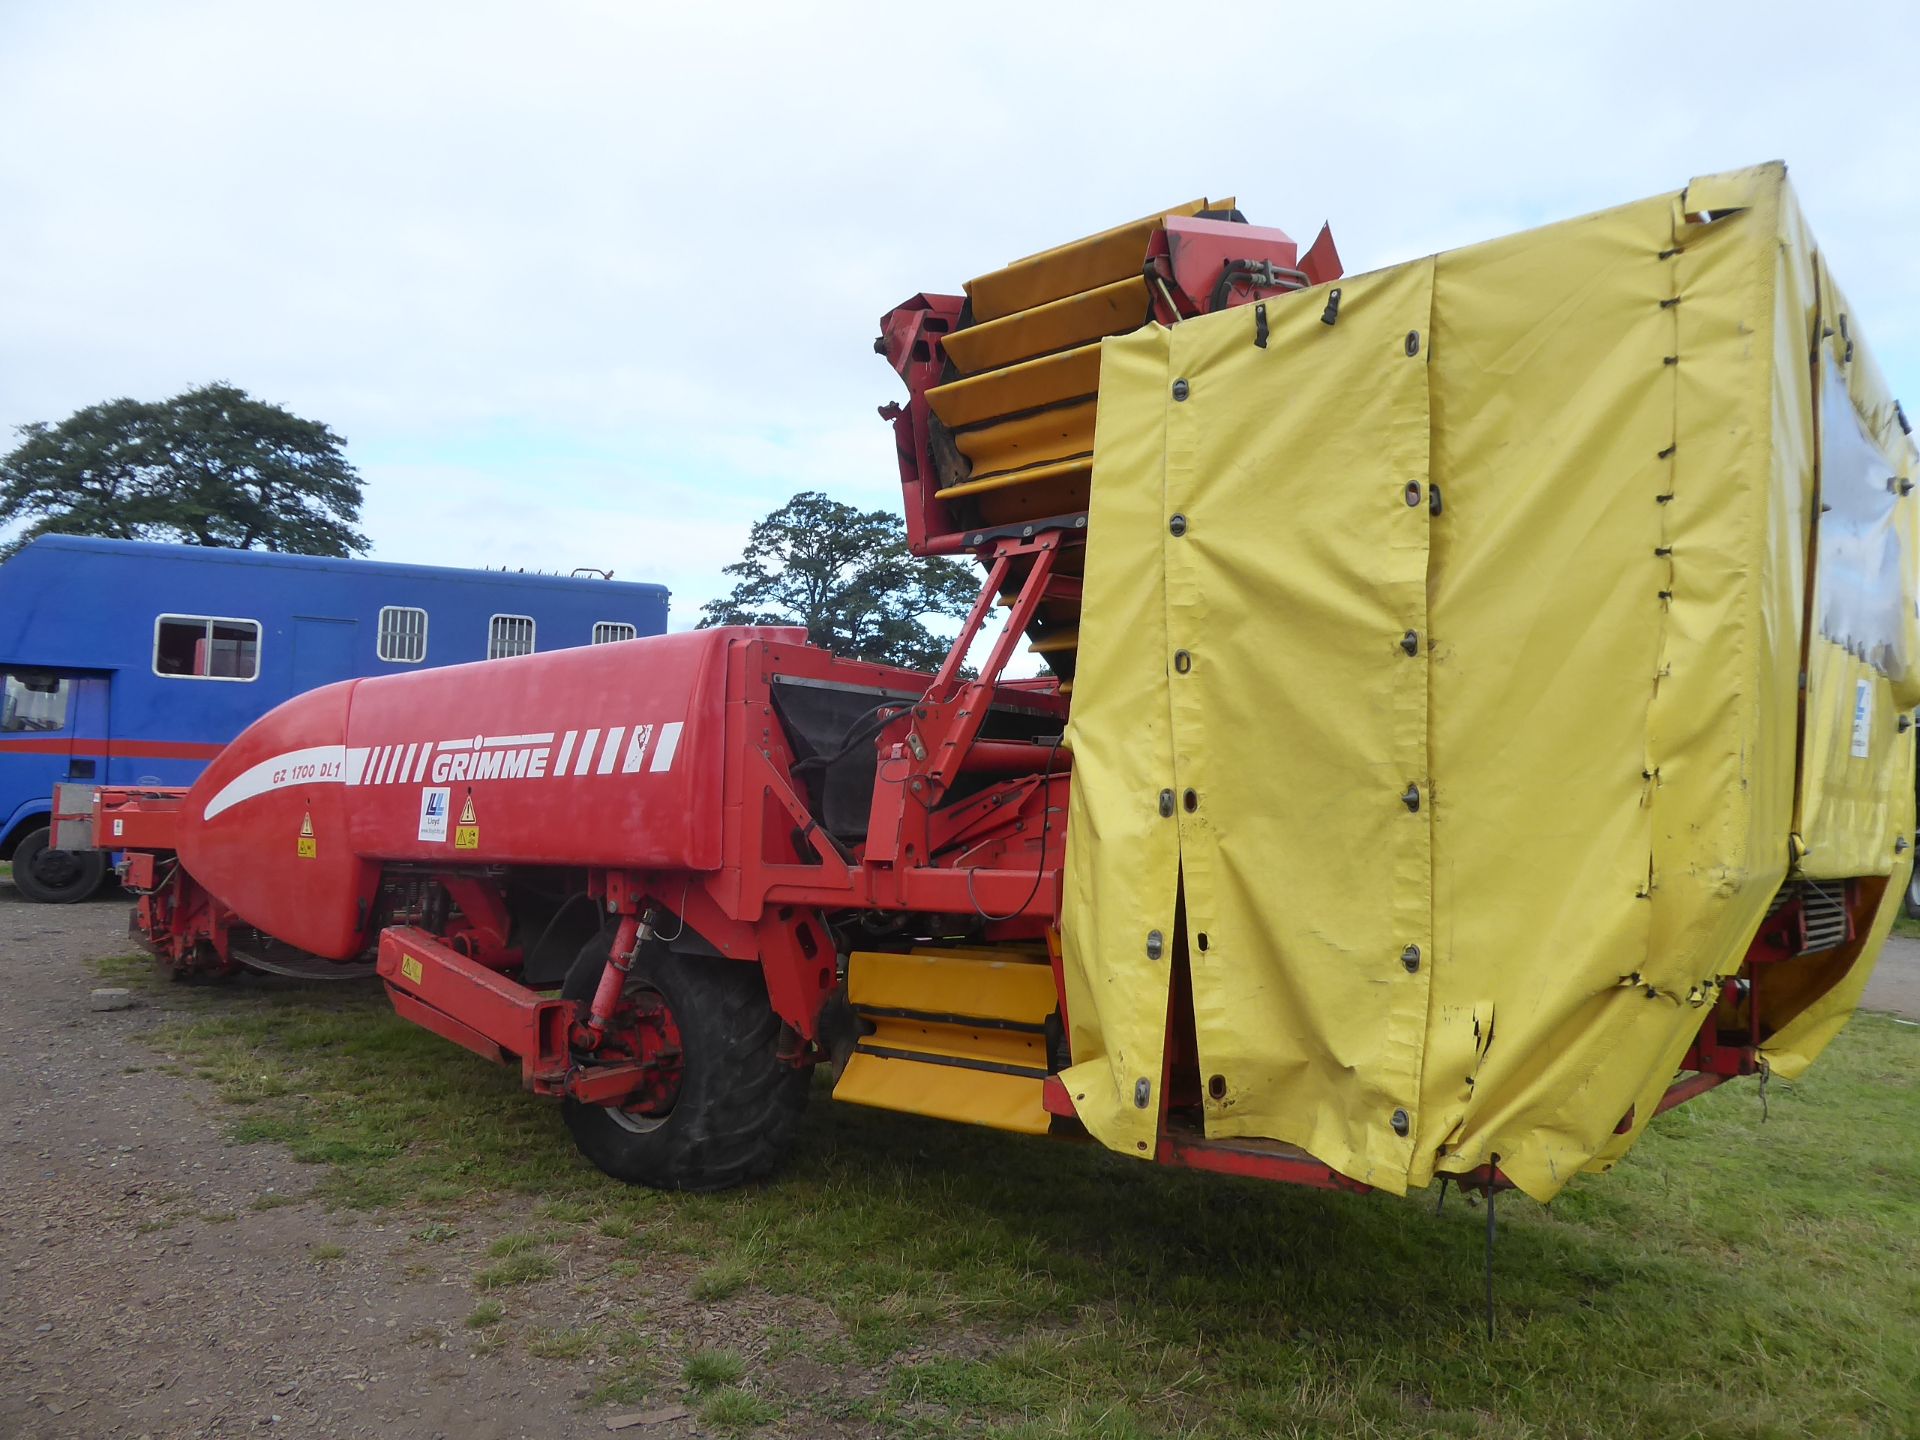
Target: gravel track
<point>143,1296</point>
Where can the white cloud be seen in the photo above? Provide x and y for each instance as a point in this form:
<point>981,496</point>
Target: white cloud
<point>587,278</point>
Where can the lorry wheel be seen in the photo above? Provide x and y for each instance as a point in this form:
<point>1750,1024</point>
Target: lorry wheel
<point>55,877</point>
<point>737,1107</point>
<point>1913,895</point>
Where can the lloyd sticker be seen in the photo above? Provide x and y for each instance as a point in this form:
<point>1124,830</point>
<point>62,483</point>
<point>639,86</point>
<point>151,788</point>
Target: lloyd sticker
<point>307,846</point>
<point>466,835</point>
<point>434,802</point>
<point>1862,718</point>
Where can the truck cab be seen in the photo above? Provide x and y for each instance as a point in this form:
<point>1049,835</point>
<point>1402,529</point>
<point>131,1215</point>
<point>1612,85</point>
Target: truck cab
<point>43,714</point>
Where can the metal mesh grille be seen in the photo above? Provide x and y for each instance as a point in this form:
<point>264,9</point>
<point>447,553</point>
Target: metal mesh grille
<point>403,634</point>
<point>607,632</point>
<point>509,635</point>
<point>1826,910</point>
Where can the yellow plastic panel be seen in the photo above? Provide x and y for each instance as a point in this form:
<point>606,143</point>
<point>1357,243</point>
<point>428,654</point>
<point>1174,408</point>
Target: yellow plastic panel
<point>1055,642</point>
<point>1103,259</point>
<point>1078,469</point>
<point>1028,440</point>
<point>1071,375</point>
<point>949,983</point>
<point>1059,325</point>
<point>945,1092</point>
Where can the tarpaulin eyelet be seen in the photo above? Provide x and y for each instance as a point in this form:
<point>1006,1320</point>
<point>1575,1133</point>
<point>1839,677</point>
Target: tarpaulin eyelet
<point>1413,342</point>
<point>1402,1122</point>
<point>1142,1092</point>
<point>1166,803</point>
<point>1410,957</point>
<point>1182,661</point>
<point>1156,942</point>
<point>1177,525</point>
<point>1191,800</point>
<point>1180,390</point>
<point>1413,493</point>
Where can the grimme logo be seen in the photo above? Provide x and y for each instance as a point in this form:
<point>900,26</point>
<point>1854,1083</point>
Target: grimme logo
<point>617,749</point>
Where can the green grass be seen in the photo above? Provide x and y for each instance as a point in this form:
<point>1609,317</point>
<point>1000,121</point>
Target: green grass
<point>487,1312</point>
<point>710,1369</point>
<point>735,1409</point>
<point>522,1268</point>
<point>723,1281</point>
<point>1730,1279</point>
<point>564,1344</point>
<point>1904,926</point>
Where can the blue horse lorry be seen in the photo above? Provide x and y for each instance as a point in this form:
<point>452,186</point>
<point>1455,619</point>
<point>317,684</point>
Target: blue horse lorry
<point>130,663</point>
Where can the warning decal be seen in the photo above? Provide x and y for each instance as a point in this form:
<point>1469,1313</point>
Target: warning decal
<point>1862,720</point>
<point>466,834</point>
<point>307,846</point>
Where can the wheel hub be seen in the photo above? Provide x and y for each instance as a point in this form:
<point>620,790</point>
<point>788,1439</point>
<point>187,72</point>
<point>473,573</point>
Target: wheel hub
<point>643,1032</point>
<point>56,869</point>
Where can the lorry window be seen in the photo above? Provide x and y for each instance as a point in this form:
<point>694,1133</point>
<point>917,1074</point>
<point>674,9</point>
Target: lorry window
<point>206,647</point>
<point>607,632</point>
<point>403,634</point>
<point>509,635</point>
<point>33,701</point>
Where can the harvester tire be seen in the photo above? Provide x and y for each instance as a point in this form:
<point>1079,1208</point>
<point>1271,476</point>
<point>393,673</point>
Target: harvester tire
<point>739,1106</point>
<point>55,877</point>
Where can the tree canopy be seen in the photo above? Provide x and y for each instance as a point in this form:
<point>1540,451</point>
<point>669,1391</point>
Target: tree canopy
<point>211,466</point>
<point>847,576</point>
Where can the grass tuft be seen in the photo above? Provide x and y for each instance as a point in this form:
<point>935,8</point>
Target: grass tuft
<point>487,1312</point>
<point>706,1370</point>
<point>522,1268</point>
<point>718,1282</point>
<point>734,1409</point>
<point>564,1344</point>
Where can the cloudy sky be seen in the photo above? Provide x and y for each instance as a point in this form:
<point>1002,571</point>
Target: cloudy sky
<point>596,283</point>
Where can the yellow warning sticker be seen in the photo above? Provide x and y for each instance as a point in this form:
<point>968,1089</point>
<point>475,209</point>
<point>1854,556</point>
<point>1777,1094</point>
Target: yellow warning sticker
<point>411,968</point>
<point>307,846</point>
<point>466,834</point>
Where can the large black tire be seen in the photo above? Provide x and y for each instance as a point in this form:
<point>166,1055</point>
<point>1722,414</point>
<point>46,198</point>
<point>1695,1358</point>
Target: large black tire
<point>739,1107</point>
<point>55,877</point>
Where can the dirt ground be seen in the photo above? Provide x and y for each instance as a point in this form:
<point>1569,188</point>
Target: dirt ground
<point>141,1295</point>
<point>146,1295</point>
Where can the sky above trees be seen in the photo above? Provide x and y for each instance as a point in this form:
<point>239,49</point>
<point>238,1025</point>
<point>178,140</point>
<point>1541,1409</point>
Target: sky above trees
<point>596,284</point>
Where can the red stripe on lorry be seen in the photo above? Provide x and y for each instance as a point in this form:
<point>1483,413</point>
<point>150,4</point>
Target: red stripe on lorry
<point>115,749</point>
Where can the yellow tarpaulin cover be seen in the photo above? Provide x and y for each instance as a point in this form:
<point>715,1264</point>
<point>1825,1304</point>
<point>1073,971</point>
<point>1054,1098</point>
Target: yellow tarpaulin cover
<point>1465,618</point>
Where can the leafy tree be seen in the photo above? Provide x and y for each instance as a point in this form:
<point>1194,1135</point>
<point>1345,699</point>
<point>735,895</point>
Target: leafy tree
<point>212,466</point>
<point>847,576</point>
